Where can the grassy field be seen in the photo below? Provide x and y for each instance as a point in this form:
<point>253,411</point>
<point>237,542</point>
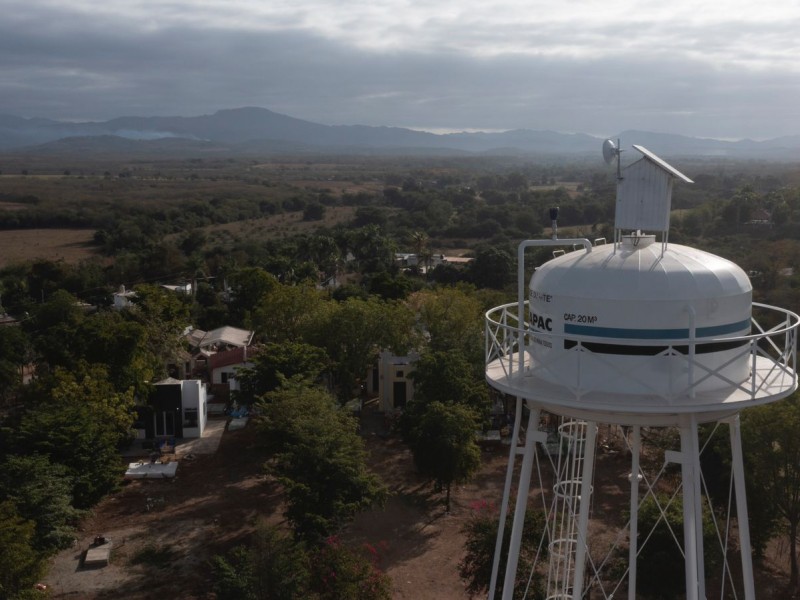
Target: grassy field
<point>70,245</point>
<point>74,245</point>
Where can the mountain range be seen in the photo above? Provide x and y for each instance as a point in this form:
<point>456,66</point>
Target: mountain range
<point>244,131</point>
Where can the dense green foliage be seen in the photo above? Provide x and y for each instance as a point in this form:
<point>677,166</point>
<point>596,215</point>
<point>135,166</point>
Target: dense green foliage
<point>443,444</point>
<point>481,536</point>
<point>660,565</point>
<point>319,458</point>
<point>274,566</point>
<point>350,332</point>
<point>20,564</point>
<point>78,421</point>
<point>42,492</point>
<point>277,364</point>
<point>772,458</point>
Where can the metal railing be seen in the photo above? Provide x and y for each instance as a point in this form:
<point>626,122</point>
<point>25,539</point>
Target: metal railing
<point>508,345</point>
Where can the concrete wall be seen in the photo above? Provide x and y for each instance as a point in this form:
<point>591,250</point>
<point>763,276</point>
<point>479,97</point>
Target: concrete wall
<point>194,397</point>
<point>230,371</point>
<point>394,369</point>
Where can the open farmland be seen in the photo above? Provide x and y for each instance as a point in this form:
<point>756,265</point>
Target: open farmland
<point>69,245</point>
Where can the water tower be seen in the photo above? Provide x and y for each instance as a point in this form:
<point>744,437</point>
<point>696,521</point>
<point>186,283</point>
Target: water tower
<point>636,333</point>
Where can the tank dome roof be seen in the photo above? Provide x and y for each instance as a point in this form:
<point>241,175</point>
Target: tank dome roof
<point>642,272</point>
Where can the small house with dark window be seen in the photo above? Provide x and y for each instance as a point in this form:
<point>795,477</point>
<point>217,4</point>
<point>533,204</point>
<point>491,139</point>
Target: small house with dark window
<point>177,409</point>
<point>222,367</point>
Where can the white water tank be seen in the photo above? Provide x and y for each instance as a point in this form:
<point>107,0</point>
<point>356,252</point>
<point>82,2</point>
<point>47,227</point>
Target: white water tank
<point>623,320</point>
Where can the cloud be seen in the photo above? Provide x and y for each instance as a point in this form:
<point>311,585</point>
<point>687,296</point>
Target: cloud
<point>577,66</point>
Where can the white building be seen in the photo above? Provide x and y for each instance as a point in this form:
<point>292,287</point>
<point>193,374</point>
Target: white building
<point>177,409</point>
<point>391,380</point>
<point>123,298</point>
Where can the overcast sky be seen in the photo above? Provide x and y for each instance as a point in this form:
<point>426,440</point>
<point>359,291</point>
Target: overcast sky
<point>727,69</point>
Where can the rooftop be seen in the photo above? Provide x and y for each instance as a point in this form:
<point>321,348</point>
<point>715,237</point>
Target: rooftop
<point>222,336</point>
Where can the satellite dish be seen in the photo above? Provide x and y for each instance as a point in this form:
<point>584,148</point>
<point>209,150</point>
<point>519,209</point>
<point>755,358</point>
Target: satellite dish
<point>610,151</point>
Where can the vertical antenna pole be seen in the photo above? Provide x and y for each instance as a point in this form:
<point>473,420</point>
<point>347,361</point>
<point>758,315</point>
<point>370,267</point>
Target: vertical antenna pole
<point>521,306</point>
<point>554,221</point>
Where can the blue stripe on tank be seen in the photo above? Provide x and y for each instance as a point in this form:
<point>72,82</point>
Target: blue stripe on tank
<point>654,334</point>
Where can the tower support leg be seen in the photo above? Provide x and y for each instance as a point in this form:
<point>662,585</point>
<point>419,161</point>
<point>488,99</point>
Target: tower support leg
<point>692,511</point>
<point>522,504</point>
<point>512,455</point>
<point>741,508</point>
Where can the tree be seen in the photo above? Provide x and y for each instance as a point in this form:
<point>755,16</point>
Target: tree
<point>42,493</point>
<point>352,332</point>
<point>208,310</point>
<point>14,352</point>
<point>493,268</point>
<point>443,445</point>
<point>372,250</point>
<point>419,239</point>
<point>447,377</point>
<point>314,211</point>
<point>343,572</point>
<point>453,319</point>
<point>772,459</point>
<point>391,287</point>
<point>324,252</point>
<point>371,215</point>
<point>53,330</point>
<point>77,420</point>
<point>164,316</point>
<point>20,564</point>
<point>319,459</point>
<point>446,274</point>
<point>660,565</point>
<point>740,207</point>
<point>248,287</point>
<point>125,346</point>
<point>283,312</point>
<point>134,345</point>
<point>715,461</point>
<point>275,364</point>
<point>272,567</point>
<point>15,290</point>
<point>481,537</point>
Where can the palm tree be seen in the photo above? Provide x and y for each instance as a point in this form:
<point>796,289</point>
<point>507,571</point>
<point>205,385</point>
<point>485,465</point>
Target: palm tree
<point>420,242</point>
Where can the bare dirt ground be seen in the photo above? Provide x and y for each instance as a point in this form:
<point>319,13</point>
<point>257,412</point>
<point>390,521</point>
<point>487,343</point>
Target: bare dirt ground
<point>171,528</point>
<point>165,531</point>
<point>70,245</point>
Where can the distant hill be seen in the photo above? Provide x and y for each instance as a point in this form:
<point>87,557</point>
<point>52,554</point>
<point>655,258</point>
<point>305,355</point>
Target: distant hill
<point>258,130</point>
